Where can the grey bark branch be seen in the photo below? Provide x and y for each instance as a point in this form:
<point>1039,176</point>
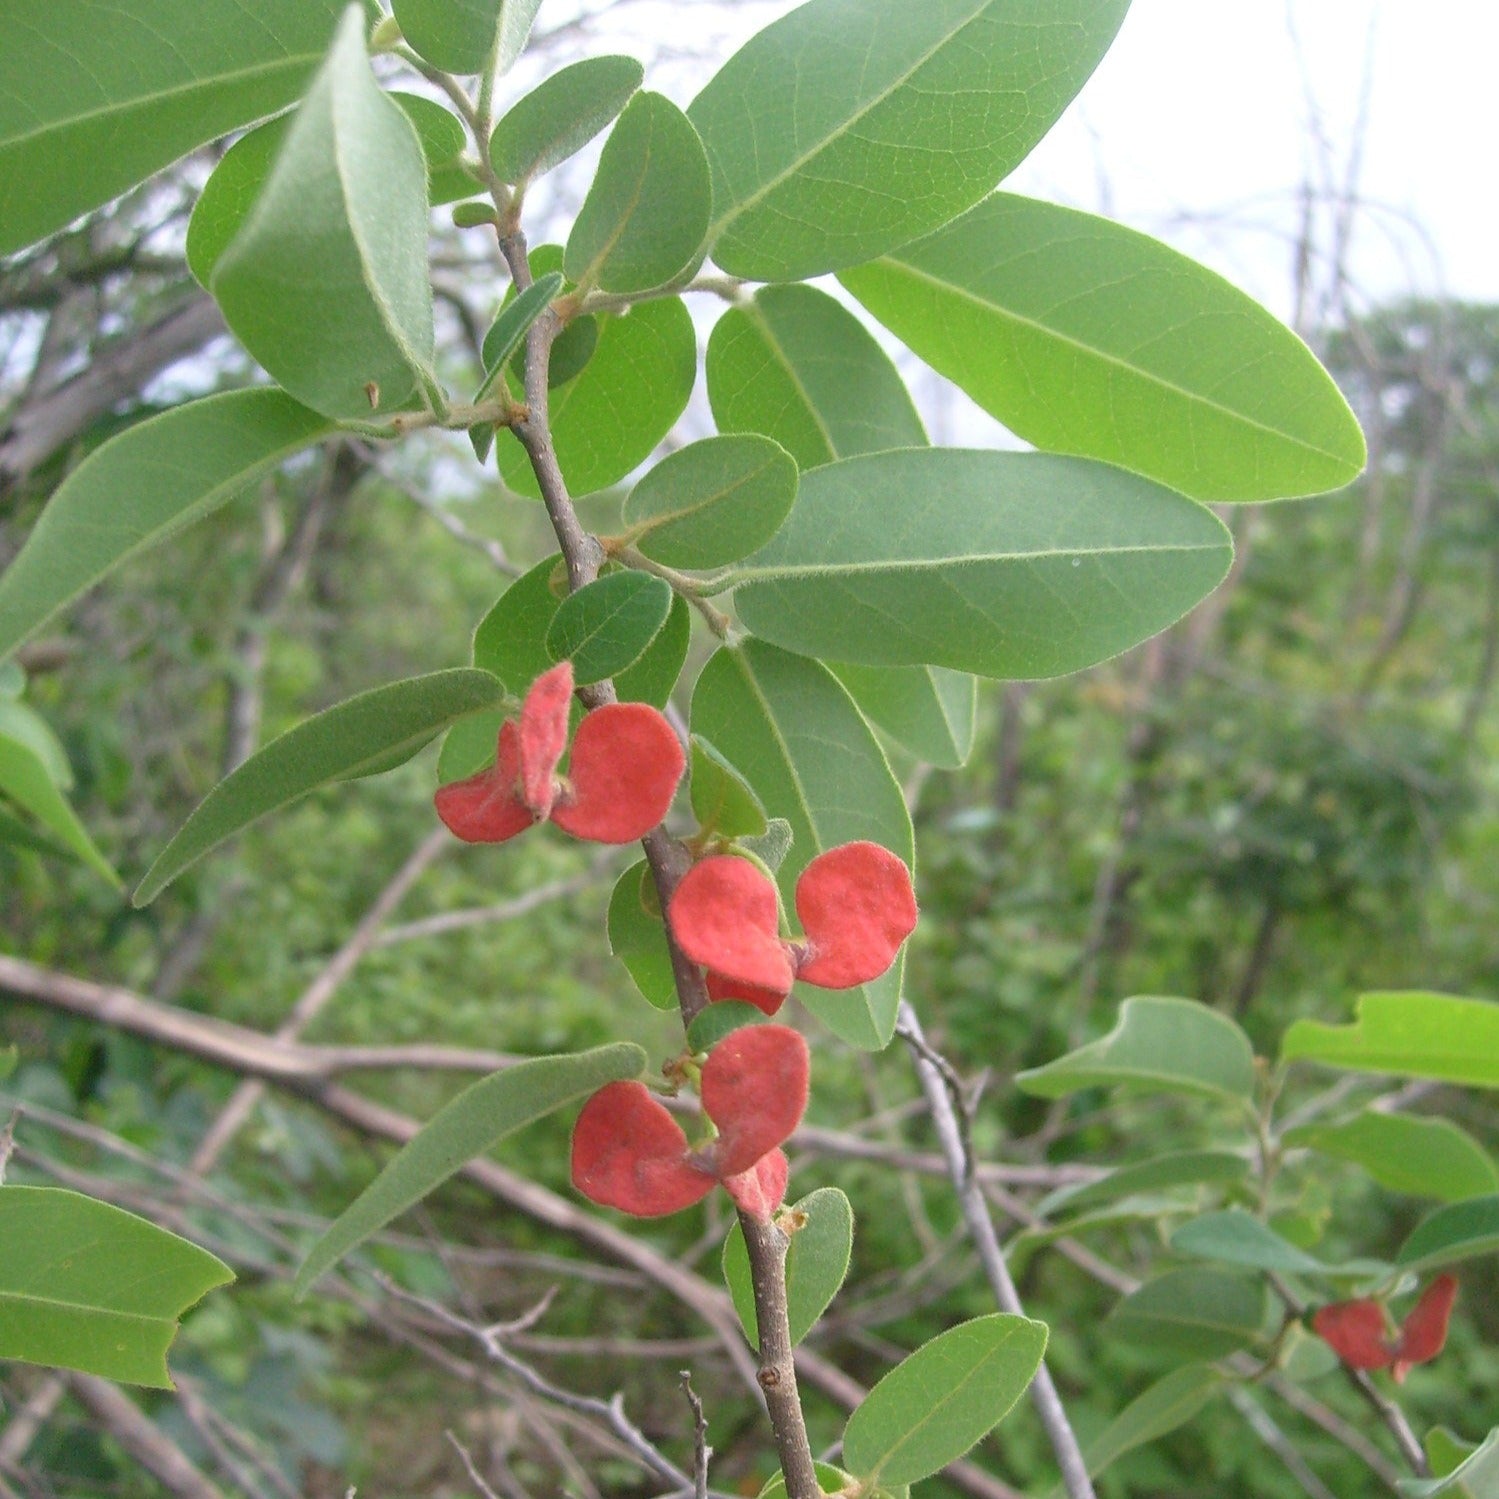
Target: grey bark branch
<point>142,1438</point>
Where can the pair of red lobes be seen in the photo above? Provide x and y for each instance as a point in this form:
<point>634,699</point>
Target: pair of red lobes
<point>1355,1330</point>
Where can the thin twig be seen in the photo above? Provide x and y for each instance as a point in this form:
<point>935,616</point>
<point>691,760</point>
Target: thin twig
<point>475,1477</point>
<point>701,1451</point>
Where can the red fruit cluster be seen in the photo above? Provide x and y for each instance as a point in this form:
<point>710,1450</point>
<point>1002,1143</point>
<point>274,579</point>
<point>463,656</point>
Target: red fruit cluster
<point>855,904</point>
<point>629,1153</point>
<point>1355,1330</point>
<point>623,772</point>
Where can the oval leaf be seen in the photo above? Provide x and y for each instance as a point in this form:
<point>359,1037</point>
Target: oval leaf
<point>1184,378</point>
<point>722,1018</point>
<point>606,626</point>
<point>1157,1046</point>
<point>561,115</point>
<point>1239,1238</point>
<point>1424,1157</point>
<point>467,1126</point>
<point>1456,1232</point>
<point>637,937</point>
<point>1196,1314</point>
<point>712,502</point>
<point>928,710</point>
<point>1167,1404</point>
<point>348,740</point>
<point>510,327</point>
<point>1174,1169</point>
<point>795,365</point>
<point>466,36</point>
<point>1011,565</point>
<point>935,1404</point>
<point>652,678</point>
<point>326,282</point>
<point>87,1286</point>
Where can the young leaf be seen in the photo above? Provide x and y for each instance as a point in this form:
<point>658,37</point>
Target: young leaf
<point>1168,1403</point>
<point>561,115</point>
<point>1008,565</point>
<point>378,728</point>
<point>647,211</point>
<point>1424,1157</point>
<point>462,36</point>
<point>816,1262</point>
<point>795,365</point>
<point>1173,1169</point>
<point>637,937</point>
<point>1239,1238</point>
<point>467,1126</point>
<point>1157,1046</point>
<point>1195,1314</point>
<point>1409,1033</point>
<point>92,102</point>
<point>326,281</point>
<point>510,327</point>
<point>1456,1232</point>
<point>1085,337</point>
<point>934,1405</point>
<point>925,709</point>
<point>713,501</point>
<point>1476,1477</point>
<point>140,487</point>
<point>832,1481</point>
<point>86,1286</point>
<point>804,750</point>
<point>606,626</point>
<point>25,779</point>
<point>721,799</point>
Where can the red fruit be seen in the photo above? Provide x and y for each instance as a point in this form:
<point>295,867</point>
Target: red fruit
<point>754,1088</point>
<point>725,915</point>
<point>486,808</point>
<point>856,905</point>
<point>629,1153</point>
<point>625,766</point>
<point>762,1189</point>
<point>1355,1331</point>
<point>768,1000</point>
<point>543,736</point>
<point>1424,1331</point>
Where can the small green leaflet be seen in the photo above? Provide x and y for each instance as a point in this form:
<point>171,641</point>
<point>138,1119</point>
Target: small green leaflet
<point>637,937</point>
<point>1168,1403</point>
<point>86,1286</point>
<point>928,710</point>
<point>1085,337</point>
<point>140,487</point>
<point>795,365</point>
<point>1239,1238</point>
<point>1194,1313</point>
<point>1424,1157</point>
<point>722,1018</point>
<point>1012,565</point>
<point>606,626</point>
<point>464,36</point>
<point>722,801</point>
<point>1157,1045</point>
<point>379,728</point>
<point>510,327</point>
<point>1456,1232</point>
<point>935,1404</point>
<point>1409,1033</point>
<point>27,783</point>
<point>1173,1169</point>
<point>467,1126</point>
<point>561,115</point>
<point>326,281</point>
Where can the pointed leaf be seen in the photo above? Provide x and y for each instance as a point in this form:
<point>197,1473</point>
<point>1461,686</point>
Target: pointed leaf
<point>925,709</point>
<point>561,115</point>
<point>606,626</point>
<point>1424,1157</point>
<point>510,327</point>
<point>1239,1238</point>
<point>344,741</point>
<point>92,102</point>
<point>851,126</point>
<point>646,213</point>
<point>140,487</point>
<point>467,1126</point>
<point>1157,1046</point>
<point>1410,1033</point>
<point>1476,1477</point>
<point>799,742</point>
<point>1085,337</point>
<point>795,365</point>
<point>1176,1168</point>
<point>712,502</point>
<point>1456,1232</point>
<point>25,780</point>
<point>1168,1403</point>
<point>326,282</point>
<point>1196,1314</point>
<point>86,1286</point>
<point>935,1404</point>
<point>1004,564</point>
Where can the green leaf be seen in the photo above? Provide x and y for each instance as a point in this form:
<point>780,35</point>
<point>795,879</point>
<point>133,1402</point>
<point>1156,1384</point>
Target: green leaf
<point>1173,1169</point>
<point>1195,1314</point>
<point>92,101</point>
<point>1005,564</point>
<point>26,726</point>
<point>510,641</point>
<point>935,1404</point>
<point>1085,337</point>
<point>722,801</point>
<point>652,677</point>
<point>646,212</point>
<point>1423,1157</point>
<point>1168,1403</point>
<point>795,365</point>
<point>86,1286</point>
<point>1456,1232</point>
<point>440,133</point>
<point>462,36</point>
<point>326,281</point>
<point>9,1056</point>
<point>722,1018</point>
<point>561,115</point>
<point>925,709</point>
<point>606,626</point>
<point>19,834</point>
<point>772,846</point>
<point>26,780</point>
<point>851,126</point>
<point>831,1480</point>
<point>1476,1477</point>
<point>608,419</point>
<point>1410,1033</point>
<point>1239,1238</point>
<point>139,488</point>
<point>510,327</point>
<point>712,502</point>
<point>816,1262</point>
<point>343,741</point>
<point>1156,1046</point>
<point>637,936</point>
<point>467,1126</point>
<point>799,742</point>
<point>1445,1450</point>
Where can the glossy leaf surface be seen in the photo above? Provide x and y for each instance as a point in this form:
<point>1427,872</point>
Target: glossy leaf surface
<point>606,626</point>
<point>561,115</point>
<point>1424,1157</point>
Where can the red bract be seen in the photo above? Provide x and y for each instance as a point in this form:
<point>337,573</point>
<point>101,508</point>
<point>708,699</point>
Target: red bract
<point>629,1153</point>
<point>625,765</point>
<point>855,903</point>
<point>1355,1330</point>
<point>1424,1331</point>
